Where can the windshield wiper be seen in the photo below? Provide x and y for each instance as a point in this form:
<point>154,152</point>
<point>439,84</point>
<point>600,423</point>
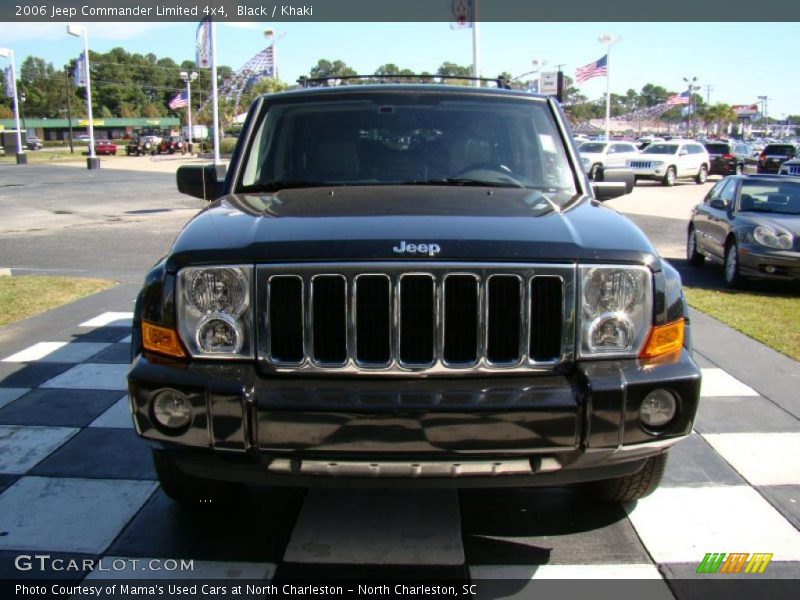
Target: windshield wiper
<point>275,186</point>
<point>466,181</point>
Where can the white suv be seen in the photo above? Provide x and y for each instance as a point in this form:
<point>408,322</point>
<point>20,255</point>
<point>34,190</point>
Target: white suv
<point>595,156</point>
<point>669,161</point>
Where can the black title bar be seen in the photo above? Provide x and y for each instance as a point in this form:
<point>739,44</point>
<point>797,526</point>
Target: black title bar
<point>397,10</point>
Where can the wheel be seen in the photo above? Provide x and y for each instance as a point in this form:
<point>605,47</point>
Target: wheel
<point>595,171</point>
<point>692,255</point>
<point>630,487</point>
<point>732,277</point>
<point>669,177</point>
<point>702,175</point>
<point>192,492</point>
<point>739,169</point>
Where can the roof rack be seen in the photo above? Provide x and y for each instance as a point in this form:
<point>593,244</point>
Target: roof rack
<point>500,82</point>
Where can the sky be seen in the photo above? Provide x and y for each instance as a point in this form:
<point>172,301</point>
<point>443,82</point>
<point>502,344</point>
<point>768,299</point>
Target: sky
<point>741,61</point>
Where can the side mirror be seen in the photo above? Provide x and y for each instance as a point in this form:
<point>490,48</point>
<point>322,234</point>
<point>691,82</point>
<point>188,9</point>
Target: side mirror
<point>608,190</point>
<point>615,175</point>
<point>718,204</point>
<point>200,181</point>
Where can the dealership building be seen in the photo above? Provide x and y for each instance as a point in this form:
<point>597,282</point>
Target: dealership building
<point>58,129</point>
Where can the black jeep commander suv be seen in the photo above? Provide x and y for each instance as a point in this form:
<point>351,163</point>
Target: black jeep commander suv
<point>409,285</point>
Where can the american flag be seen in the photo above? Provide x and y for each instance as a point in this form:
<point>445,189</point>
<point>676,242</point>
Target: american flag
<point>596,69</point>
<point>179,101</point>
<point>678,99</point>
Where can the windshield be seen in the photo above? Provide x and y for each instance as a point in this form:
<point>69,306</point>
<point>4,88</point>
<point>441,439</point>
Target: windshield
<point>779,149</point>
<point>771,197</point>
<point>718,148</point>
<point>402,139</point>
<point>592,148</point>
<point>660,149</point>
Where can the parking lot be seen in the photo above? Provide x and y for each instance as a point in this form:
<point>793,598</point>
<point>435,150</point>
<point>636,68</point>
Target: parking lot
<point>75,481</point>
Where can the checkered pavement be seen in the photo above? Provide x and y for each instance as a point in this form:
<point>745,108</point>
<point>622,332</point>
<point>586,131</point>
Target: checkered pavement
<point>76,482</point>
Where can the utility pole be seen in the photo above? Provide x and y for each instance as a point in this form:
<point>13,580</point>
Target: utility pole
<point>68,90</point>
<point>709,89</point>
<point>764,113</point>
<point>692,89</point>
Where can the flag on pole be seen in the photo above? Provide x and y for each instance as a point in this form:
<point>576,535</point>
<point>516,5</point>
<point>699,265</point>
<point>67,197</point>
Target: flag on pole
<point>462,12</point>
<point>179,101</point>
<point>203,45</point>
<point>79,74</point>
<point>9,80</point>
<point>269,61</point>
<point>678,99</point>
<point>598,68</point>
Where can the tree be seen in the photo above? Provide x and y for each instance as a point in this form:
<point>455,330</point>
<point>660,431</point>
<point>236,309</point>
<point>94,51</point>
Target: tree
<point>652,95</point>
<point>326,68</point>
<point>719,115</point>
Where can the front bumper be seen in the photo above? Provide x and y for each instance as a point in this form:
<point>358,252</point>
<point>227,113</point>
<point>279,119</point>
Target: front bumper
<point>650,173</point>
<point>486,431</point>
<point>779,265</point>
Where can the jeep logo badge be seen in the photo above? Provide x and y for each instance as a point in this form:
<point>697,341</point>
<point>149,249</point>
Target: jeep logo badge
<point>429,249</point>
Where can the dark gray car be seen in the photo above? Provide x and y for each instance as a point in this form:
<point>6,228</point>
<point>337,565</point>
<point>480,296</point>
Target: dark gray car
<point>751,225</point>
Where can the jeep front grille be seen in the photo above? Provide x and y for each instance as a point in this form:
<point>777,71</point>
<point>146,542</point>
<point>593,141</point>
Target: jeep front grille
<point>396,318</point>
<point>640,164</point>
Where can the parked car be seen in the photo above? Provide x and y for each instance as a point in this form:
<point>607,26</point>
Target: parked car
<point>750,224</point>
<point>170,145</point>
<point>599,155</point>
<point>644,141</point>
<point>669,161</point>
<point>33,143</point>
<point>774,155</point>
<point>729,157</point>
<point>105,147</point>
<point>371,302</point>
<point>82,138</point>
<point>139,147</point>
<point>790,167</point>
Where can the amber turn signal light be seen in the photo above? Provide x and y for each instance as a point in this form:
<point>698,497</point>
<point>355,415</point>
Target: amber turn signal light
<point>664,339</point>
<point>162,340</point>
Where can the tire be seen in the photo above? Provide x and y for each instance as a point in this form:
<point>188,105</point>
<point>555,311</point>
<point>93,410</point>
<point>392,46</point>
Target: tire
<point>595,171</point>
<point>731,269</point>
<point>702,175</point>
<point>692,255</point>
<point>193,493</point>
<point>669,177</point>
<point>630,487</point>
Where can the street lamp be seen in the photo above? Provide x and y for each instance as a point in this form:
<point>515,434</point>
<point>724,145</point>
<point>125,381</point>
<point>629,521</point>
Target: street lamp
<point>690,83</point>
<point>22,113</point>
<point>9,54</point>
<point>608,40</point>
<point>80,31</point>
<point>537,65</point>
<point>189,78</point>
<point>764,120</point>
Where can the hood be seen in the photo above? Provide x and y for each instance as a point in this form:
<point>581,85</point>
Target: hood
<point>390,222</point>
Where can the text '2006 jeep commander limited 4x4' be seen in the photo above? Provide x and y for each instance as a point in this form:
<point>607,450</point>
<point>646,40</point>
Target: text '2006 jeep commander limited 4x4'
<point>404,285</point>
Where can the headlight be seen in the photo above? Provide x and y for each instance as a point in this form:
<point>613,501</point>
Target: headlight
<point>214,311</point>
<point>616,310</point>
<point>657,163</point>
<point>771,239</point>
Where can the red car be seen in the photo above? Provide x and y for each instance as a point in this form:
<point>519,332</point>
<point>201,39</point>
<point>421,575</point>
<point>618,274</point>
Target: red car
<point>105,147</point>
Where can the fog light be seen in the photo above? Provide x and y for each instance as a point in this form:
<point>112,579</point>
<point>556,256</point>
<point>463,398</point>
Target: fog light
<point>769,269</point>
<point>658,408</point>
<point>172,409</point>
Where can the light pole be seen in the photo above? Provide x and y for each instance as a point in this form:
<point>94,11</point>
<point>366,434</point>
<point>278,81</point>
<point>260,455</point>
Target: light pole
<point>608,40</point>
<point>80,31</point>
<point>189,78</point>
<point>764,121</point>
<point>9,54</point>
<point>22,113</point>
<point>537,65</point>
<point>692,89</point>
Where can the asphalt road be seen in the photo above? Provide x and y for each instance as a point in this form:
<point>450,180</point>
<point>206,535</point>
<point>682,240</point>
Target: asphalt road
<point>115,223</point>
<point>105,223</point>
